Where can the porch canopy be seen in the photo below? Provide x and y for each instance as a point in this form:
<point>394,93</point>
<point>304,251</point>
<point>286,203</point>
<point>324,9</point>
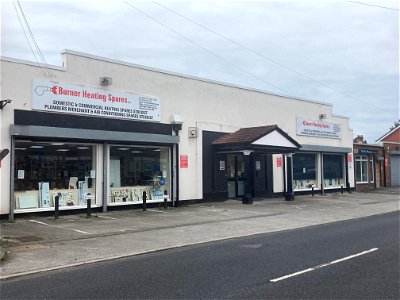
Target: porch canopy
<point>262,139</point>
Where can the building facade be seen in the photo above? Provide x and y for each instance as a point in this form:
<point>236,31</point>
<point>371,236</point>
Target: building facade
<point>391,144</point>
<point>111,131</point>
<point>369,165</point>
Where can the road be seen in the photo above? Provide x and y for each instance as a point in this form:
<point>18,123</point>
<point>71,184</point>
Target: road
<point>355,259</point>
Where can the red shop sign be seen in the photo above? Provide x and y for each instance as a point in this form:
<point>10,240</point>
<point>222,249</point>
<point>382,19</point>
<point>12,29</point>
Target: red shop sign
<point>184,161</point>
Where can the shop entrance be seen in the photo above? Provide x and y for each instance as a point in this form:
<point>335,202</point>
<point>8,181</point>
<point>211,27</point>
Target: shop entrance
<point>235,175</point>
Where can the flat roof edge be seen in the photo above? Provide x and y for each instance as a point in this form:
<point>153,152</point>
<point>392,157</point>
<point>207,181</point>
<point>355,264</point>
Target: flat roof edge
<point>31,63</point>
<point>110,60</point>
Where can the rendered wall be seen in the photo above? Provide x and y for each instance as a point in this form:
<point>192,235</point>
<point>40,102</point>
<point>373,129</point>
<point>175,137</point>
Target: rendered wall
<point>203,104</point>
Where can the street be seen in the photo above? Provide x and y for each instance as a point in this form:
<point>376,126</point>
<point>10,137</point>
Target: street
<point>353,259</point>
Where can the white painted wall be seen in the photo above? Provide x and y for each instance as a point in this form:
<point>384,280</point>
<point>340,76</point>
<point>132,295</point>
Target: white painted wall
<point>203,104</point>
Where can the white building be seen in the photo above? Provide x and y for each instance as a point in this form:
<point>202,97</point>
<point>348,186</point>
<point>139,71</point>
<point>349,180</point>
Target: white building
<point>109,128</point>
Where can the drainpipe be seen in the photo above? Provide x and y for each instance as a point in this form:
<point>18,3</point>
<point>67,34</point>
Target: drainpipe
<point>176,127</point>
<point>12,172</point>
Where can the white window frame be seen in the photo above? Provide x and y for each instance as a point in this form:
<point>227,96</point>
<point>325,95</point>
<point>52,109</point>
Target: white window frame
<point>361,158</point>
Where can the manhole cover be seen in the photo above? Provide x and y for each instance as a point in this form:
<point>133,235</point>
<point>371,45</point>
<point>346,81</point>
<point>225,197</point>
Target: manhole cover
<point>28,238</point>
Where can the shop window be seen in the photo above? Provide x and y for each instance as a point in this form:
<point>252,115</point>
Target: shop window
<point>371,170</point>
<point>304,170</point>
<point>361,168</point>
<point>44,170</point>
<point>134,170</point>
<point>333,170</point>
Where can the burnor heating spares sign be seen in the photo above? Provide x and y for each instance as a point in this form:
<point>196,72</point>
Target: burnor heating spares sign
<point>318,128</point>
<point>74,99</point>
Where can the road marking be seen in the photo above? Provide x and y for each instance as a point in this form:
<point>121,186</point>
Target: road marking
<point>104,217</point>
<point>80,231</point>
<point>324,265</point>
<point>158,211</point>
<point>34,221</point>
<point>42,223</point>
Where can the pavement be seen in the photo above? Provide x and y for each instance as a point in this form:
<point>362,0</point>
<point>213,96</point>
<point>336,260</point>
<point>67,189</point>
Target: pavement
<point>38,244</point>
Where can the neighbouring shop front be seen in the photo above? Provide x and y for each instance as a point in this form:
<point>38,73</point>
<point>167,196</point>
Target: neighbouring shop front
<point>77,156</point>
<point>369,166</point>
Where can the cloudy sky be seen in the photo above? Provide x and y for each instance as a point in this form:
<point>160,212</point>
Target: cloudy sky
<point>341,52</point>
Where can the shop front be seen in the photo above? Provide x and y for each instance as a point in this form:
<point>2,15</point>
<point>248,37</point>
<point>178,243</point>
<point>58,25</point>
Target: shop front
<point>248,155</point>
<point>369,166</point>
<point>112,131</point>
<point>80,155</point>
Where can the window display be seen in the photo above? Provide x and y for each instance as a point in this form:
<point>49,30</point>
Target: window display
<point>134,170</point>
<point>44,170</point>
<point>333,170</point>
<point>304,171</point>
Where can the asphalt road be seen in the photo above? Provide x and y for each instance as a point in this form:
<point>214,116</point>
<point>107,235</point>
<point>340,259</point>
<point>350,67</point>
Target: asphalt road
<point>355,259</point>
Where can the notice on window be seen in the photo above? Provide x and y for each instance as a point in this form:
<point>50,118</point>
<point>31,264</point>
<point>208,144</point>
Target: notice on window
<point>222,165</point>
<point>184,161</point>
<point>21,174</point>
<point>75,99</point>
<point>279,162</point>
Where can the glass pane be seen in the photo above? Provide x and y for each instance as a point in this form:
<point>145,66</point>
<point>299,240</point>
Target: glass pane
<point>241,167</point>
<point>358,171</point>
<point>333,170</point>
<point>304,171</point>
<point>135,170</point>
<point>371,170</point>
<point>364,167</point>
<point>230,168</point>
<point>45,170</point>
<point>304,166</point>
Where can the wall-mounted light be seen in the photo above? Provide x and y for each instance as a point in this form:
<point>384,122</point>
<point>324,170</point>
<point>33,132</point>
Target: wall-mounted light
<point>322,116</point>
<point>176,121</point>
<point>105,81</point>
<point>4,103</point>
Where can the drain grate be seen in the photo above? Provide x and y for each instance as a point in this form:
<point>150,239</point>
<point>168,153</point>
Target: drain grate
<point>28,238</point>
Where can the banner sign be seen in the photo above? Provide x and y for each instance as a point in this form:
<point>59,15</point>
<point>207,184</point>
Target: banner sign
<point>318,128</point>
<point>184,161</point>
<point>74,99</point>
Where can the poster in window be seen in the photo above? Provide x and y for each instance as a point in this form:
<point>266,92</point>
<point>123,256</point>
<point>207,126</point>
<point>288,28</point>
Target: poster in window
<point>279,162</point>
<point>222,165</point>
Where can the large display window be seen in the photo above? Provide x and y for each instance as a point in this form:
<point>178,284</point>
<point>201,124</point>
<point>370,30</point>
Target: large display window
<point>134,170</point>
<point>304,171</point>
<point>44,170</point>
<point>333,170</point>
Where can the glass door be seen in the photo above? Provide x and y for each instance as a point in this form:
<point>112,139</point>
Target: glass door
<point>235,175</point>
<point>231,175</point>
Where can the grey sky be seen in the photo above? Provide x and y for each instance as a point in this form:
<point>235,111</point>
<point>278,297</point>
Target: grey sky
<point>348,46</point>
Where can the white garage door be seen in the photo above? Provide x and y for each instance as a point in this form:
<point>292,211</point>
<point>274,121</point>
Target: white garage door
<point>395,169</point>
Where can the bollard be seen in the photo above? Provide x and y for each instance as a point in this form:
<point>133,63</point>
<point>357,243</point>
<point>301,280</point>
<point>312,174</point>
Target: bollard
<point>312,190</point>
<point>56,205</point>
<point>88,207</point>
<point>144,201</point>
<point>165,199</point>
<point>348,187</point>
<point>322,189</point>
<point>341,189</point>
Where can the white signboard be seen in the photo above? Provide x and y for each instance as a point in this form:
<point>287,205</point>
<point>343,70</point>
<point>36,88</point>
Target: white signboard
<point>318,128</point>
<point>74,99</point>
